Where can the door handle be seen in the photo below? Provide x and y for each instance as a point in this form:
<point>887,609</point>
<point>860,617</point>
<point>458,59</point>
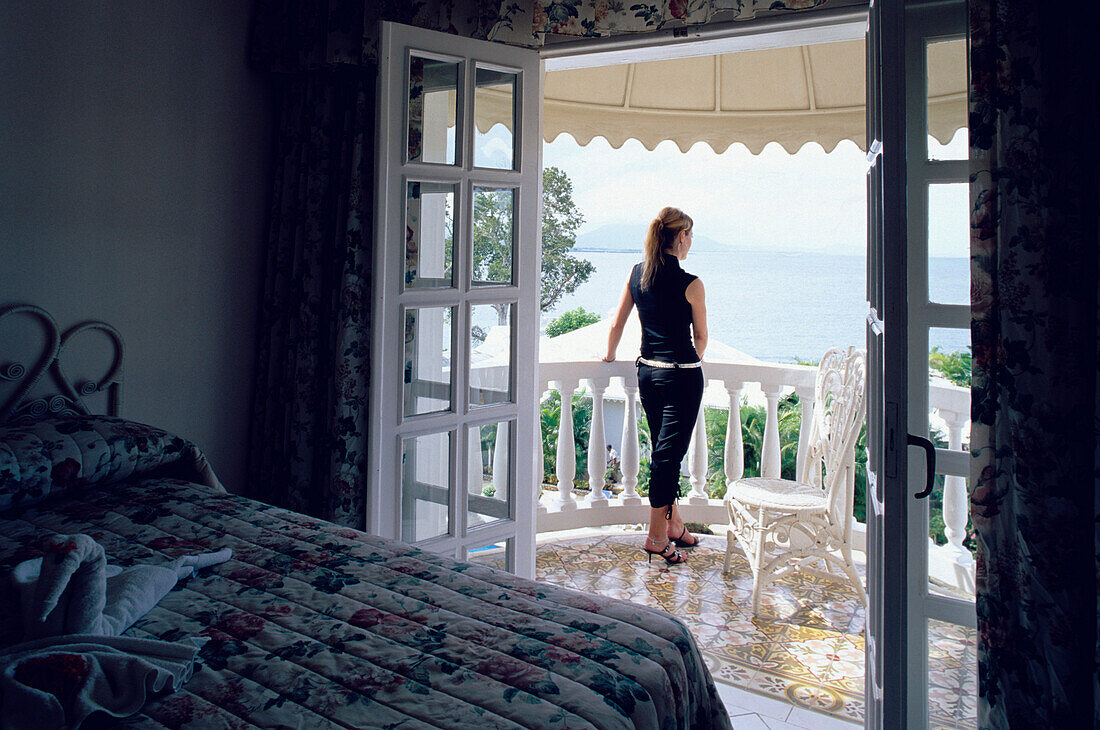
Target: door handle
<point>929,459</point>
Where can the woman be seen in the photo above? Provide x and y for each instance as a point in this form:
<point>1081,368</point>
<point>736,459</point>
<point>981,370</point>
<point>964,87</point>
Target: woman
<point>673,314</point>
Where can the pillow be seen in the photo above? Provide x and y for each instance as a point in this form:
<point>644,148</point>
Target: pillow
<point>57,454</point>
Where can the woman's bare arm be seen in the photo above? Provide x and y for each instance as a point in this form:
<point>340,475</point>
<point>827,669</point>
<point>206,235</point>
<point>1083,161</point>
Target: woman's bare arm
<point>697,299</point>
<point>626,303</point>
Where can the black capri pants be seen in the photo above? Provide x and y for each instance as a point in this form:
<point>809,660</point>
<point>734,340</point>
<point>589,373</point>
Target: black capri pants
<point>670,399</point>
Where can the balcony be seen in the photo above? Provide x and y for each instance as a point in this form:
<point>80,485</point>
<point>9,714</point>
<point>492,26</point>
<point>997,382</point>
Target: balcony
<point>569,365</point>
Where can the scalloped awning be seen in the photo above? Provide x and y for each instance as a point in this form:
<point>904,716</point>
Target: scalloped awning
<point>791,96</point>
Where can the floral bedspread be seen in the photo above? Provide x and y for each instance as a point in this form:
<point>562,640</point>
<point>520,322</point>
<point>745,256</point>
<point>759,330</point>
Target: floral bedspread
<point>311,625</point>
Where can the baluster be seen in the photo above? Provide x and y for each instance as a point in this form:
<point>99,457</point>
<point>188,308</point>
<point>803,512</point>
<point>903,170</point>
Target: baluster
<point>537,455</point>
<point>628,450</point>
<point>501,460</point>
<point>566,465</point>
<point>769,450</point>
<point>734,458</point>
<point>475,467</point>
<point>955,499</point>
<point>806,400</point>
<point>597,444</point>
<point>697,458</point>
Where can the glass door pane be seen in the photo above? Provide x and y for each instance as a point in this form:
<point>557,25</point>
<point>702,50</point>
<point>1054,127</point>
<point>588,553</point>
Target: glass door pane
<point>949,243</point>
<point>500,555</point>
<point>490,483</point>
<point>427,376</point>
<point>952,675</point>
<point>494,245</point>
<point>950,548</point>
<point>433,96</point>
<point>491,336</point>
<point>429,235</point>
<point>946,102</point>
<point>426,486</point>
<point>494,115</point>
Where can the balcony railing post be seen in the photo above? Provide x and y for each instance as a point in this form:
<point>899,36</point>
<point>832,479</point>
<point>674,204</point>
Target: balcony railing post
<point>733,460</point>
<point>697,458</point>
<point>769,450</point>
<point>500,459</point>
<point>539,458</point>
<point>565,467</point>
<point>628,450</point>
<point>475,469</point>
<point>597,447</point>
<point>955,499</point>
<point>806,400</point>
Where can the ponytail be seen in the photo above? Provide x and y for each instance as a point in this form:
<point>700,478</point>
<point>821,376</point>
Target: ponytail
<point>659,236</point>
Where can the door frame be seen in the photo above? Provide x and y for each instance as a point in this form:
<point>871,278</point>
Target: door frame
<point>747,35</point>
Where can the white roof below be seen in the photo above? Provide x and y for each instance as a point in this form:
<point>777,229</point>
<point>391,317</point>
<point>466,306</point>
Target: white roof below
<point>590,343</point>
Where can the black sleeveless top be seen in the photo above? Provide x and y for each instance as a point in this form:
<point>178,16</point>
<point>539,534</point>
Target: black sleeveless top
<point>665,312</point>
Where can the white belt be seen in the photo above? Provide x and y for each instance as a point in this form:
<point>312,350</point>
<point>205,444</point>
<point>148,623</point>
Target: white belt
<point>667,365</point>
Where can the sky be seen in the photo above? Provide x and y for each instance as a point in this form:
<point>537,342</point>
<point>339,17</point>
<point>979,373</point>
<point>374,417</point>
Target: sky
<point>807,201</point>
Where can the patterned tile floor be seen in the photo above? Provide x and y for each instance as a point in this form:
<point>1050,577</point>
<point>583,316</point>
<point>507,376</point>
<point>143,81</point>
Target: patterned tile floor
<point>806,647</point>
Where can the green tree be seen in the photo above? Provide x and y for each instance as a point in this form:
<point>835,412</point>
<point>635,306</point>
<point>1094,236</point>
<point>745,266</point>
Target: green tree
<point>494,212</point>
<point>562,272</point>
<point>571,320</point>
<point>955,366</point>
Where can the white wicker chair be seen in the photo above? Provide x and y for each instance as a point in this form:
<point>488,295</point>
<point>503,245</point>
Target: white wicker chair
<point>785,526</point>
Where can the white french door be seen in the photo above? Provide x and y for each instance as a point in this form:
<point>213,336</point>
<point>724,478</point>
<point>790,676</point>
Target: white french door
<point>920,592</point>
<point>456,284</point>
<point>887,405</point>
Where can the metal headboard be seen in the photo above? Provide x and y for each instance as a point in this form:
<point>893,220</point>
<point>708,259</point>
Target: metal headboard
<point>64,397</point>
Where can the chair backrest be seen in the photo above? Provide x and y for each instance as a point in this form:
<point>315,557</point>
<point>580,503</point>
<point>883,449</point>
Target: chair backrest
<point>838,414</point>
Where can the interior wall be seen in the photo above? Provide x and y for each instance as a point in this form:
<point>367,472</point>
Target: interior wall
<point>135,150</point>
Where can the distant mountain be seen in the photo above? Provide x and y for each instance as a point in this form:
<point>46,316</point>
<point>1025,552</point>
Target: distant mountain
<point>629,237</point>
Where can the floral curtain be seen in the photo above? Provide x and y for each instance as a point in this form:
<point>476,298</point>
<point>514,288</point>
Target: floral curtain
<point>308,442</point>
<point>297,34</point>
<point>1035,335</point>
<point>523,23</point>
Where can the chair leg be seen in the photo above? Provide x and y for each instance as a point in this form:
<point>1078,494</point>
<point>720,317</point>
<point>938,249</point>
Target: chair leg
<point>759,577</point>
<point>729,552</point>
<point>755,596</point>
<point>853,576</point>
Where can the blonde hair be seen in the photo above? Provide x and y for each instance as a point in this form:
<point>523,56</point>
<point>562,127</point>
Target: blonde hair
<point>662,231</point>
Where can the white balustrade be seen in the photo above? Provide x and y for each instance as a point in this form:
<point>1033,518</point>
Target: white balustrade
<point>956,501</point>
<point>501,465</point>
<point>769,450</point>
<point>806,400</point>
<point>566,466</point>
<point>733,460</point>
<point>474,466</point>
<point>952,564</point>
<point>697,459</point>
<point>629,460</point>
<point>597,453</point>
<point>616,383</point>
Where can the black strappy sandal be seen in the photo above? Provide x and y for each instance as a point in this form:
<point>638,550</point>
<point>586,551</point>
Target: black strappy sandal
<point>673,558</point>
<point>681,543</point>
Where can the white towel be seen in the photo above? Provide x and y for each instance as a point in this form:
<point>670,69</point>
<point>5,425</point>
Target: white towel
<point>57,682</point>
<point>72,590</point>
<point>189,564</point>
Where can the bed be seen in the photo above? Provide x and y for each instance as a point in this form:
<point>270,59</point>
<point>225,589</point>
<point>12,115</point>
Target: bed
<point>312,625</point>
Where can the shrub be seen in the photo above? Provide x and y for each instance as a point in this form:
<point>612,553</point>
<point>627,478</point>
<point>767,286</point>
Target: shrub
<point>572,320</point>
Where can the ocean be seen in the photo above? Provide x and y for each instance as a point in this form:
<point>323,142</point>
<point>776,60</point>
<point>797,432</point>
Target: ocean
<point>776,306</point>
